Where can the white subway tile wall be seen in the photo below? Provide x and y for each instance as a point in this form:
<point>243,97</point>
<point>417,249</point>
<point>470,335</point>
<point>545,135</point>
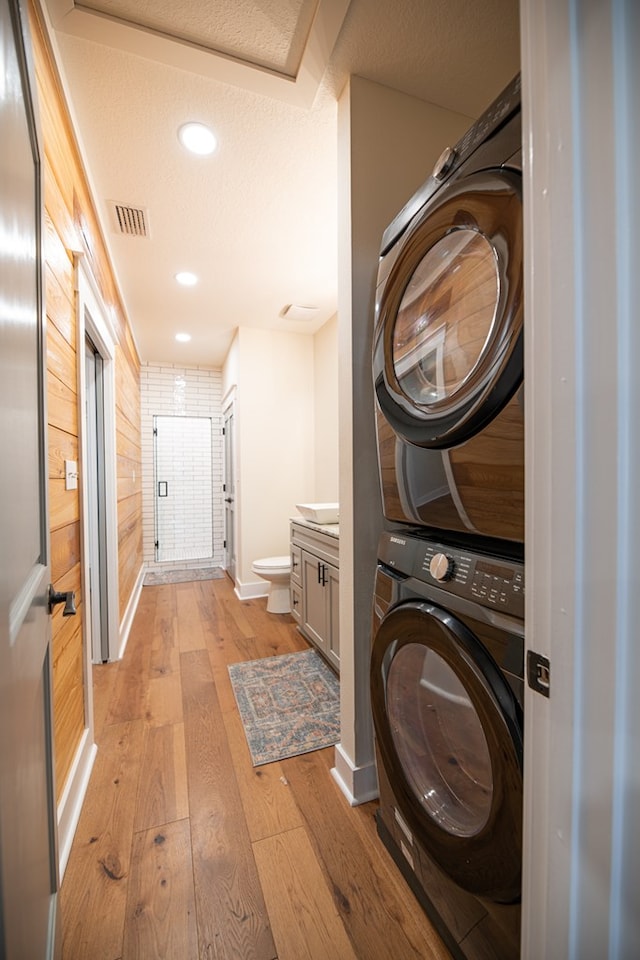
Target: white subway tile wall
<point>172,391</point>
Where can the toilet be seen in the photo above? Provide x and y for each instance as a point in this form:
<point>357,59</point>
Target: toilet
<point>277,571</point>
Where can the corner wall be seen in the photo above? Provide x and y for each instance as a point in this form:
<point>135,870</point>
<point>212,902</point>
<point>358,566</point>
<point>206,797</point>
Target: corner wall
<point>326,413</point>
<point>387,146</point>
<point>274,377</point>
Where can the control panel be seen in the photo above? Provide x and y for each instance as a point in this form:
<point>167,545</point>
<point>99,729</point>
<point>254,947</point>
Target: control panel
<point>490,581</point>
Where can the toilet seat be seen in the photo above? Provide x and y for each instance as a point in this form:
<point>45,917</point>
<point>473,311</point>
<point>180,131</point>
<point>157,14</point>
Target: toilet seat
<point>272,565</point>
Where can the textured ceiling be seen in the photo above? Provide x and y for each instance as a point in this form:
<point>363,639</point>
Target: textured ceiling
<point>257,221</point>
<point>269,33</point>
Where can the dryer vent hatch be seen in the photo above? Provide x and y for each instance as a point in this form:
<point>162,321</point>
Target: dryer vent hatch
<point>128,220</point>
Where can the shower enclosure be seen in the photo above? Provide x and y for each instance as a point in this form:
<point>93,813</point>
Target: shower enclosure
<point>183,488</point>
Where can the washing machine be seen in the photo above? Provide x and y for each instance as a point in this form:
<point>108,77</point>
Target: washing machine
<point>448,340</point>
<point>447,685</point>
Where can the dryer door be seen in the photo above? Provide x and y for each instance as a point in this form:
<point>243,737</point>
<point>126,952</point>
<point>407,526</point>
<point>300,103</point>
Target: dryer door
<point>448,350</point>
<point>449,733</point>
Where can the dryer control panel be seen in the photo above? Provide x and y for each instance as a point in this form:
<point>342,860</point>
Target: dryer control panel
<point>482,578</point>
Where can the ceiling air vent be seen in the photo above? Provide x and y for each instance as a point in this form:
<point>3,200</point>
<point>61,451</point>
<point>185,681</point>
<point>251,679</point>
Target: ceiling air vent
<point>128,220</point>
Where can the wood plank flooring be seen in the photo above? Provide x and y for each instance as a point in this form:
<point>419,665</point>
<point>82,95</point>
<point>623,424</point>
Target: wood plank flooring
<point>184,851</point>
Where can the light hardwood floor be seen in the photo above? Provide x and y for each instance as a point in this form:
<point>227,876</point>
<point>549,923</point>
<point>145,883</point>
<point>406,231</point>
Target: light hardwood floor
<point>184,850</point>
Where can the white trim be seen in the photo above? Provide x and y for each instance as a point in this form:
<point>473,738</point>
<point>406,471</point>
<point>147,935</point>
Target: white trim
<point>99,329</point>
<point>358,784</point>
<point>251,590</point>
<point>127,620</point>
<point>70,805</point>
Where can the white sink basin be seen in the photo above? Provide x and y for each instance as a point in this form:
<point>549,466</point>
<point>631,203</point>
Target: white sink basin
<point>319,512</point>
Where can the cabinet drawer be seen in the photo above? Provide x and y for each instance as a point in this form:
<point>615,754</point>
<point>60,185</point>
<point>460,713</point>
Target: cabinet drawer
<point>296,602</point>
<point>296,564</point>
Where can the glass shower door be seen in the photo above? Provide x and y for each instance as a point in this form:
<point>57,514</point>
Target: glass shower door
<point>183,488</point>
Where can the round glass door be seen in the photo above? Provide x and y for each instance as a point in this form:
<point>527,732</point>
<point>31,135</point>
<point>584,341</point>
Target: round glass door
<point>449,733</point>
<point>439,740</point>
<point>448,341</point>
<point>446,316</point>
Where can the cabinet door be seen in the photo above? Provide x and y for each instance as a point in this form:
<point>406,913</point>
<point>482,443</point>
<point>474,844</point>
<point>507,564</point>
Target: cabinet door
<point>332,589</point>
<point>314,613</point>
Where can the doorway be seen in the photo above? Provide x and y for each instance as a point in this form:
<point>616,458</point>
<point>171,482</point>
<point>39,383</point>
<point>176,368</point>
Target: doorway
<point>183,488</point>
<point>229,492</point>
<point>99,482</point>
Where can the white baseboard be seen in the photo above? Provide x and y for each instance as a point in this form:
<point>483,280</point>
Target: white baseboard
<point>130,612</point>
<point>251,590</point>
<point>359,784</point>
<point>72,797</point>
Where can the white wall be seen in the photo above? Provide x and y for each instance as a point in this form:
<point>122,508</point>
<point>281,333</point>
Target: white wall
<point>387,145</point>
<point>326,419</point>
<point>170,390</point>
<point>274,374</point>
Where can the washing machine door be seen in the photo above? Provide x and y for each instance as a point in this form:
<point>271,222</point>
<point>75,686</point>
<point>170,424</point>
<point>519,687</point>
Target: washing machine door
<point>448,346</point>
<point>449,733</point>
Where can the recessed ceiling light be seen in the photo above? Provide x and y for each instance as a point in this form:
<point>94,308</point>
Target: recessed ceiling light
<point>186,278</point>
<point>197,138</point>
<point>183,337</point>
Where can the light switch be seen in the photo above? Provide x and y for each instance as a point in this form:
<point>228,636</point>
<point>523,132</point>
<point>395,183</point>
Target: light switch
<point>71,474</point>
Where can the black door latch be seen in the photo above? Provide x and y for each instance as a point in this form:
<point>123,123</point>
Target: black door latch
<point>69,600</point>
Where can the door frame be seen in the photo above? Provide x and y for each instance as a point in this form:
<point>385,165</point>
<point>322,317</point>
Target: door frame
<point>93,321</point>
<point>230,469</point>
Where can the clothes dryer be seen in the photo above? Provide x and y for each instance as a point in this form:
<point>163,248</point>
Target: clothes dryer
<point>448,340</point>
<point>447,685</point>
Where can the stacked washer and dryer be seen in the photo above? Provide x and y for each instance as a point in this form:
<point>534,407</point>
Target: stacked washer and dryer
<point>447,673</point>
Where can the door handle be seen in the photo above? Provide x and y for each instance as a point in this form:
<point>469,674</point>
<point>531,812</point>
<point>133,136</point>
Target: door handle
<point>163,488</point>
<point>228,499</point>
<point>69,600</point>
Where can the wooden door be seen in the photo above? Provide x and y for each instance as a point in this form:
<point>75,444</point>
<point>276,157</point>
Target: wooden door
<point>28,856</point>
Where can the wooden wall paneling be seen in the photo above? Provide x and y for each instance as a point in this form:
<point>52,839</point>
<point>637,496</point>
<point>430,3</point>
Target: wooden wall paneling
<point>128,387</point>
<point>62,446</point>
<point>64,550</point>
<point>58,208</point>
<point>129,568</point>
<point>60,308</point>
<point>61,358</point>
<point>68,695</point>
<point>71,224</point>
<point>63,405</point>
<point>57,256</point>
<point>64,505</point>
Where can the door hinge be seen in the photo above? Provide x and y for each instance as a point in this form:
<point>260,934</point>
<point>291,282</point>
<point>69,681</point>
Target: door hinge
<point>224,487</point>
<point>224,544</point>
<point>224,431</point>
<point>155,431</point>
<point>538,673</point>
<point>157,544</point>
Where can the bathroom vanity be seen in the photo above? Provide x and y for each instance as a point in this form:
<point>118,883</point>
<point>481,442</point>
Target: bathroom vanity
<point>314,585</point>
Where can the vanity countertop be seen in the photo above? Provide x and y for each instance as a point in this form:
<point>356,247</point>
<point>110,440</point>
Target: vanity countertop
<point>331,529</point>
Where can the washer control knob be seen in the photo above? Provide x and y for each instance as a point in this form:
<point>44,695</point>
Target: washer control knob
<point>444,163</point>
<point>441,567</point>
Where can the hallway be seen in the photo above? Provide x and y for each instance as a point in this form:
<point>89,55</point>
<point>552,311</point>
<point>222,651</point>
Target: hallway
<point>183,849</point>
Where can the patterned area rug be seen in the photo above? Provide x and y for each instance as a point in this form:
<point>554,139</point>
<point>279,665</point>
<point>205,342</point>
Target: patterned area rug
<point>289,705</point>
<point>155,578</point>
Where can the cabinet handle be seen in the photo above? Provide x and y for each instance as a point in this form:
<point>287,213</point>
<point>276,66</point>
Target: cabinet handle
<point>319,573</point>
